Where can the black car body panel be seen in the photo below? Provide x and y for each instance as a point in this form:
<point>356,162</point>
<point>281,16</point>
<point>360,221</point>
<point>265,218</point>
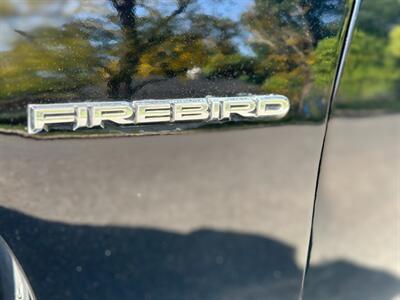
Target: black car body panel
<point>355,250</point>
<point>195,211</point>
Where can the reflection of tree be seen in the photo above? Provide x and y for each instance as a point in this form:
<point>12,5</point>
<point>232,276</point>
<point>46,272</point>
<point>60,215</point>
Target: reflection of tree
<point>291,47</point>
<point>284,34</point>
<point>140,34</point>
<point>393,50</point>
<point>153,41</point>
<point>144,41</point>
<point>162,43</point>
<point>48,60</point>
<point>372,77</point>
<point>140,42</point>
<point>378,17</point>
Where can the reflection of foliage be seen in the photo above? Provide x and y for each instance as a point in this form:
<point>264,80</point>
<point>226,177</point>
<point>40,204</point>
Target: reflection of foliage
<point>291,46</point>
<point>140,42</point>
<point>173,57</point>
<point>377,17</point>
<point>394,58</point>
<point>6,8</point>
<point>365,67</point>
<point>286,83</point>
<point>140,34</point>
<point>322,61</point>
<point>372,74</point>
<point>119,48</point>
<point>394,44</point>
<point>156,43</point>
<point>48,60</point>
<point>229,66</point>
<point>284,34</point>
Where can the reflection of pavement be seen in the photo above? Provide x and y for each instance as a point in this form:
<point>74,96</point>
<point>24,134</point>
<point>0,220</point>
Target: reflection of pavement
<point>254,180</point>
<point>358,209</point>
<point>251,182</point>
<point>68,262</point>
<point>256,205</point>
<point>96,262</point>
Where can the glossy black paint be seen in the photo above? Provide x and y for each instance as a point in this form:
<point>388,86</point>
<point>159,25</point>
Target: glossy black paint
<point>220,214</point>
<point>356,225</point>
<point>97,51</point>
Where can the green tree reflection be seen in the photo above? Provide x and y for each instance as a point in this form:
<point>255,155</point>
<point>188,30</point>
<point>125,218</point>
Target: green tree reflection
<point>372,76</point>
<point>276,46</point>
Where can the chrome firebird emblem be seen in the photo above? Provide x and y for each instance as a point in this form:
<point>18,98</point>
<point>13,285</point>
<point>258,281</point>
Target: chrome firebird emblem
<point>95,114</point>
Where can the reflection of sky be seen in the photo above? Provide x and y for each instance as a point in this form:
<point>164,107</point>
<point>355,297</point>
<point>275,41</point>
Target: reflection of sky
<point>220,8</point>
<point>57,12</point>
<point>42,13</point>
<point>232,9</point>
